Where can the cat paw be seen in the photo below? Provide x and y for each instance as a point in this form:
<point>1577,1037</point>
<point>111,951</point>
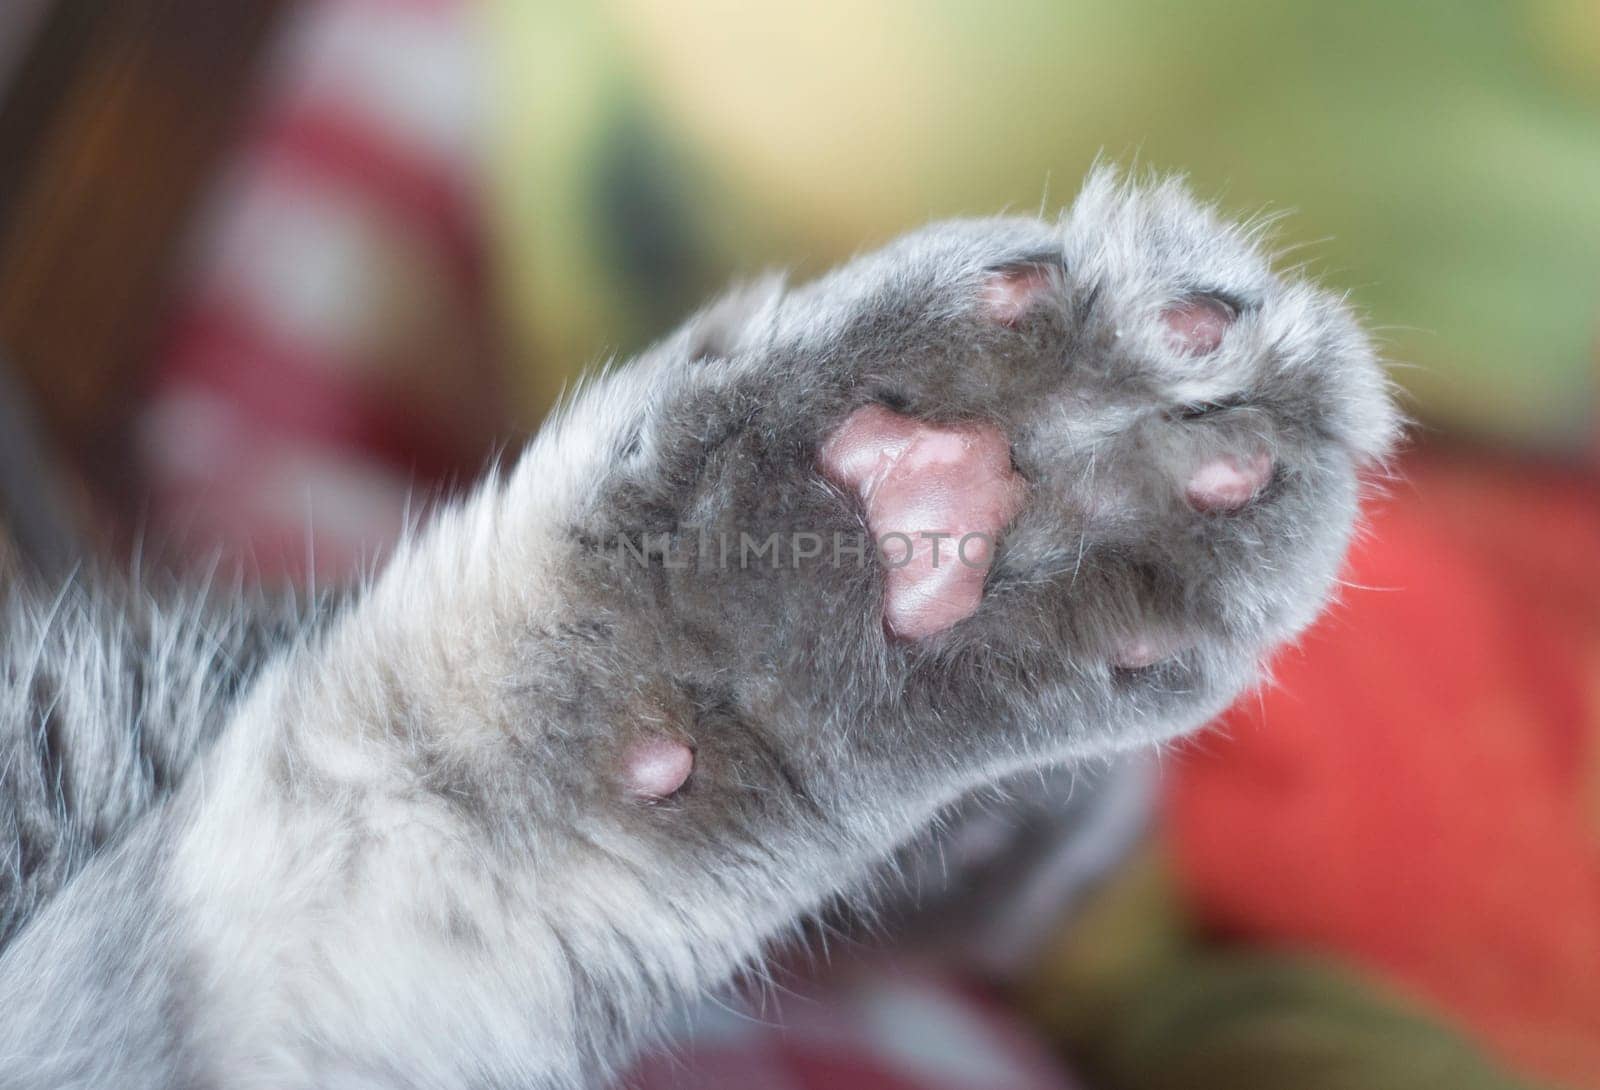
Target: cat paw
<point>1088,474</point>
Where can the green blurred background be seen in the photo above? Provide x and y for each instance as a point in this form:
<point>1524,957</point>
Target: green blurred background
<point>1440,161</point>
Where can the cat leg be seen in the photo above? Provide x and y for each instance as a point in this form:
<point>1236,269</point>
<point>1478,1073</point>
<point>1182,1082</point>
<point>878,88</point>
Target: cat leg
<point>696,663</point>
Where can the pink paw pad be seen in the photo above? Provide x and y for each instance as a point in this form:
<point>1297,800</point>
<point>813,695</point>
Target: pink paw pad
<point>1008,294</point>
<point>1227,483</point>
<point>936,499</point>
<point>1141,652</point>
<point>656,768</point>
<point>1196,326</point>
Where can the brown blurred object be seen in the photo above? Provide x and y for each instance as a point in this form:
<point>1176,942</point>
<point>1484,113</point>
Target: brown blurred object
<point>37,530</point>
<point>110,120</point>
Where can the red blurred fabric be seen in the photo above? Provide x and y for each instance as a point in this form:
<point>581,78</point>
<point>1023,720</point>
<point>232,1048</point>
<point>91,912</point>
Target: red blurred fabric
<point>1420,789</point>
<point>330,349</point>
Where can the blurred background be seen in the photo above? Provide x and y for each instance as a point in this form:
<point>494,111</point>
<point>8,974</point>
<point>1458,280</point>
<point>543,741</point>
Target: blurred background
<point>274,273</point>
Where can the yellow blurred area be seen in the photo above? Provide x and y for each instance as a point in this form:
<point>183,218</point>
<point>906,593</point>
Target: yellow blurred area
<point>1439,160</point>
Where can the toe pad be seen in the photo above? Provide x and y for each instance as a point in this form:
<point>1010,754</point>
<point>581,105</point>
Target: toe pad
<point>1227,483</point>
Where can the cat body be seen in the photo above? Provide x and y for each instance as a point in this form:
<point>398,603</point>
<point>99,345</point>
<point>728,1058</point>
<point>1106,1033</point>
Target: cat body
<point>569,760</point>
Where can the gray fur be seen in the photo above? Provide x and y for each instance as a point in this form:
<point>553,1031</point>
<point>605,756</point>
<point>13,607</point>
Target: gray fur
<point>106,697</point>
<point>405,858</point>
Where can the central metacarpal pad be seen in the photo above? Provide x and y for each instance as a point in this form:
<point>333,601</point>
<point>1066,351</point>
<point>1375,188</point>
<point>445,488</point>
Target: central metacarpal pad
<point>937,498</point>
